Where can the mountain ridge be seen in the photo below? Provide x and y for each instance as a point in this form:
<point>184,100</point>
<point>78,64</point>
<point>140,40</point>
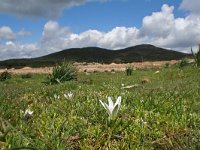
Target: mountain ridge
<point>138,53</point>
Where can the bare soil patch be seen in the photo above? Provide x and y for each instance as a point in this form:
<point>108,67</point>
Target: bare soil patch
<point>92,67</point>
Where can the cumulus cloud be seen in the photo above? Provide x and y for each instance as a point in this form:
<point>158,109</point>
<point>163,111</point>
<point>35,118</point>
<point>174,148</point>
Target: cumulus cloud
<point>23,33</point>
<point>17,50</point>
<point>39,8</point>
<point>159,24</point>
<point>117,38</point>
<point>6,33</point>
<point>56,38</point>
<point>53,36</point>
<point>193,6</point>
<point>162,29</point>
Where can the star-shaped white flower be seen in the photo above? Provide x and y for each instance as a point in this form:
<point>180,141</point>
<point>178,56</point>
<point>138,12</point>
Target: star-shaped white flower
<point>112,109</point>
<point>68,95</point>
<point>28,113</point>
<point>56,96</point>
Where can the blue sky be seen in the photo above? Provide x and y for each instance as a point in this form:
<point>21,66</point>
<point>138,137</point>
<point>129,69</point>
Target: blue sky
<point>30,28</point>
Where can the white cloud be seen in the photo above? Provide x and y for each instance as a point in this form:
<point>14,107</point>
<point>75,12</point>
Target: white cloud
<point>18,50</point>
<point>163,29</point>
<point>55,38</point>
<point>119,37</point>
<point>6,33</point>
<point>160,29</point>
<point>10,43</point>
<point>39,8</point>
<point>193,6</point>
<point>159,24</point>
<point>23,33</point>
<point>87,38</point>
<point>185,33</point>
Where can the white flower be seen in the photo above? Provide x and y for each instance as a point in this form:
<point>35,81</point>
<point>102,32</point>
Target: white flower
<point>112,109</point>
<point>68,95</point>
<point>56,96</point>
<point>28,113</point>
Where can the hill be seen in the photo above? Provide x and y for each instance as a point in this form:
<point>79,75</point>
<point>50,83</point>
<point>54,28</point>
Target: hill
<point>137,53</point>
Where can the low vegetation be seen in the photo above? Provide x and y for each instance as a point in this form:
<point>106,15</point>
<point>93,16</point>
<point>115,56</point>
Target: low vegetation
<point>162,113</point>
<point>62,73</point>
<point>5,76</point>
<point>26,76</point>
<point>129,70</point>
<point>183,62</point>
<point>196,57</point>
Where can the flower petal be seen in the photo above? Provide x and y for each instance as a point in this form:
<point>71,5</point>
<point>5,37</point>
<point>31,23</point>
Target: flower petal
<point>65,95</point>
<point>118,102</point>
<point>102,103</point>
<point>115,111</point>
<point>110,104</point>
<point>106,107</point>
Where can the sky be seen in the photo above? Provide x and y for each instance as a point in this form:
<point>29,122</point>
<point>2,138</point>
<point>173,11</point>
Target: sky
<point>32,28</point>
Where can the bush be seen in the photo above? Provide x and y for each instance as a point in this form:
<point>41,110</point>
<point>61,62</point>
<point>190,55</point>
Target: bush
<point>184,62</point>
<point>129,71</point>
<point>62,73</point>
<point>26,76</point>
<point>166,65</point>
<point>5,75</point>
<point>196,58</point>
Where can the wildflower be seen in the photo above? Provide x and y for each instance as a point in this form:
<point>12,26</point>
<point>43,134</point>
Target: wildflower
<point>28,113</point>
<point>112,109</point>
<point>56,96</point>
<point>68,95</point>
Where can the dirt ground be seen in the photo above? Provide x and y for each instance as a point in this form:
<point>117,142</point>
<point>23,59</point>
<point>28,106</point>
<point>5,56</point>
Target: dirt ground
<point>93,67</point>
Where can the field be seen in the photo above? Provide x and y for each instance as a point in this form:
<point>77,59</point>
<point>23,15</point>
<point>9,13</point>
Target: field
<point>160,109</point>
<point>93,67</point>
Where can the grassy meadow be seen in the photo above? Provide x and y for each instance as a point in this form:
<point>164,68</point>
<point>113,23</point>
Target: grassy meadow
<point>160,109</point>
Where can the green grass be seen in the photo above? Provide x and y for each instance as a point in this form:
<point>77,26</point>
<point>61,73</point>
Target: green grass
<point>162,113</point>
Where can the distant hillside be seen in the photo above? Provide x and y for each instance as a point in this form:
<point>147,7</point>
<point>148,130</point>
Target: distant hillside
<point>137,53</point>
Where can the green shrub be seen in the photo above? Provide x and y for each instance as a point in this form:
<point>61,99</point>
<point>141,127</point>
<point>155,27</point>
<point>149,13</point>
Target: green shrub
<point>184,62</point>
<point>166,65</point>
<point>26,76</point>
<point>129,71</point>
<point>62,73</point>
<point>5,75</point>
<point>196,57</point>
